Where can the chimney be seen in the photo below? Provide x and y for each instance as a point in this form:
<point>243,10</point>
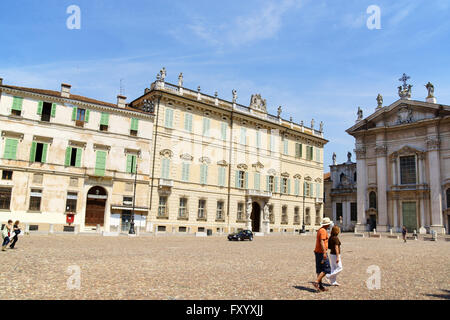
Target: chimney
<point>65,90</point>
<point>121,101</point>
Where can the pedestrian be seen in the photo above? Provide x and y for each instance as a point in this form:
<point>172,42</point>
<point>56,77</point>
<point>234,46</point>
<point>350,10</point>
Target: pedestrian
<point>16,231</point>
<point>320,252</point>
<point>404,231</point>
<point>6,233</point>
<point>335,256</point>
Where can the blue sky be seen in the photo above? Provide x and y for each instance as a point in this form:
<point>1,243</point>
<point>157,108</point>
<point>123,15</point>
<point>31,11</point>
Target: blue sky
<point>315,58</point>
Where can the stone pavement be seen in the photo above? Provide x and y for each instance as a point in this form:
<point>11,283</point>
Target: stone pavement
<point>271,267</point>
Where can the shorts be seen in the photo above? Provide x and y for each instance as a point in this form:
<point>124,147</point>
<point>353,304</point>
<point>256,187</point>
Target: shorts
<point>322,267</point>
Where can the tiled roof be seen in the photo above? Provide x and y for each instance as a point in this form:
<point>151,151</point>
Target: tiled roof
<point>326,176</point>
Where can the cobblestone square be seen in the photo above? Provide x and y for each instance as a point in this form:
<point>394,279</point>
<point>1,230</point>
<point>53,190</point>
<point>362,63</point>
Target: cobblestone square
<point>183,267</point>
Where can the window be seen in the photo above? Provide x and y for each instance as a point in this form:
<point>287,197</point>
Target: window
<point>219,212</point>
<point>162,208</point>
<point>131,163</point>
<point>285,186</point>
<point>73,157</point>
<point>223,130</point>
<point>271,215</point>
<point>204,174</point>
<point>127,201</point>
<point>257,181</point>
<point>80,116</point>
<point>188,122</point>
<point>270,183</point>
<point>35,200</point>
<point>100,163</point>
<point>134,127</point>
<point>5,198</point>
<point>241,180</point>
<point>286,147</point>
<point>202,209</point>
<point>372,200</point>
<point>16,108</point>
<point>353,211</point>
<point>298,150</point>
<point>243,139</point>
<point>297,187</point>
<point>318,218</point>
<point>307,190</point>
<point>165,166</point>
<point>284,216</point>
<point>309,153</point>
<point>206,126</point>
<point>38,152</point>
<point>296,215</point>
<point>46,110</point>
<point>240,212</point>
<point>408,170</point>
<point>308,216</point>
<point>7,175</point>
<point>168,120</point>
<point>339,213</point>
<point>71,202</point>
<point>222,177</point>
<point>104,121</point>
<point>185,171</point>
<point>10,149</point>
<point>182,210</point>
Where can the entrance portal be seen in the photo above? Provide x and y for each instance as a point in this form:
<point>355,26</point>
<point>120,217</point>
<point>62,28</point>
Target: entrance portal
<point>95,207</point>
<point>256,217</point>
<point>409,216</point>
<point>372,222</point>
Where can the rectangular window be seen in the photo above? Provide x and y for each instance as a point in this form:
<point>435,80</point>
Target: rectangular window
<point>270,183</point>
<point>257,181</point>
<point>317,154</point>
<point>134,127</point>
<point>16,108</point>
<point>240,212</point>
<point>202,209</point>
<point>165,167</point>
<point>309,153</point>
<point>81,114</point>
<point>206,126</point>
<point>219,212</point>
<point>284,216</point>
<point>168,120</point>
<point>222,177</point>
<point>296,215</point>
<point>73,157</point>
<point>38,152</point>
<point>298,150</point>
<point>35,200</point>
<point>204,174</point>
<point>223,130</point>
<point>5,198</point>
<point>131,163</point>
<point>188,122</point>
<point>243,139</point>
<point>286,147</point>
<point>7,175</point>
<point>307,189</point>
<point>10,149</point>
<point>284,185</point>
<point>127,201</point>
<point>338,211</point>
<point>353,211</point>
<point>241,179</point>
<point>408,170</point>
<point>162,208</point>
<point>100,163</point>
<point>104,121</point>
<point>297,187</point>
<point>182,211</point>
<point>185,172</point>
<point>71,202</point>
<point>46,110</point>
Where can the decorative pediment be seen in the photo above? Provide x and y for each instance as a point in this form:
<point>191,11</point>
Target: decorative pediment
<point>166,153</point>
<point>308,178</point>
<point>406,151</point>
<point>297,176</point>
<point>242,166</point>
<point>222,163</point>
<point>78,144</point>
<point>133,151</point>
<point>12,134</point>
<point>186,156</point>
<point>103,147</point>
<point>205,160</point>
<point>318,180</point>
<point>258,165</point>
<point>43,139</point>
<point>285,174</point>
<point>271,172</point>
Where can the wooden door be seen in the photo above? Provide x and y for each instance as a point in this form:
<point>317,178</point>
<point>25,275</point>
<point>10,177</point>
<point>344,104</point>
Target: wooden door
<point>95,212</point>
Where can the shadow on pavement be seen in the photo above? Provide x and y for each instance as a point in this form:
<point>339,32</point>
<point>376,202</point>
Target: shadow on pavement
<point>305,289</point>
<point>446,295</point>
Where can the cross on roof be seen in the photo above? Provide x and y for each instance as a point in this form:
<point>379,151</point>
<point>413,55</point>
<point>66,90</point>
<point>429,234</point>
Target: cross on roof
<point>404,78</point>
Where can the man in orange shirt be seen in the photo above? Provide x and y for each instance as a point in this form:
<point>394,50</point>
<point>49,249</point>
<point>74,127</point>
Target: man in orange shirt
<point>322,262</point>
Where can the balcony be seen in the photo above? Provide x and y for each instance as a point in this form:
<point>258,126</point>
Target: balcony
<point>319,200</point>
<point>410,187</point>
<point>165,183</point>
<point>258,193</point>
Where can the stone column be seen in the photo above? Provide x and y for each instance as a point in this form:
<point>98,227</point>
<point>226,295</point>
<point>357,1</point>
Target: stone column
<point>348,216</point>
<point>433,145</point>
<point>334,210</point>
<point>394,171</point>
<point>361,182</point>
<point>422,229</point>
<point>395,211</point>
<point>249,214</point>
<point>381,151</point>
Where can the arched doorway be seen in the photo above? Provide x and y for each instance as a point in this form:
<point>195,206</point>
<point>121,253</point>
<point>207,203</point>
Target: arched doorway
<point>95,207</point>
<point>256,217</point>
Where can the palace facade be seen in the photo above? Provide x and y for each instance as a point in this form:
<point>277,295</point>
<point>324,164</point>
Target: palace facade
<point>403,164</point>
<point>203,164</point>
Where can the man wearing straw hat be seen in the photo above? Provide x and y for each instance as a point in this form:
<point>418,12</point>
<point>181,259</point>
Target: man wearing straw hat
<point>322,262</point>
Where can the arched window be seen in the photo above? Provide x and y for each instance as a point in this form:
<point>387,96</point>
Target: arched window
<point>448,198</point>
<point>372,200</point>
<point>354,177</point>
<point>342,176</point>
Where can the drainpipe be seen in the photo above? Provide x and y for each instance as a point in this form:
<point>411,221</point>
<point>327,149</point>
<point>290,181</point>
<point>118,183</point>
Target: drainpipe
<point>229,169</point>
<point>154,154</point>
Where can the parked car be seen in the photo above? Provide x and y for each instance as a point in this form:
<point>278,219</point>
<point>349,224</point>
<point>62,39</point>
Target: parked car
<point>241,235</point>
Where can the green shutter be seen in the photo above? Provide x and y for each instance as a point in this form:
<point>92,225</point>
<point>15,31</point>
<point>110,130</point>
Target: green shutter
<point>53,114</point>
<point>104,119</point>
<point>100,163</point>
<point>243,136</point>
<point>68,154</point>
<point>288,186</point>
<point>318,190</point>
<point>206,126</point>
<point>224,130</point>
<point>134,124</point>
<point>286,147</point>
<point>165,168</point>
<point>296,187</point>
<point>169,118</point>
<point>267,183</point>
<point>304,189</point>
<point>258,139</point>
<point>33,151</point>
<point>17,104</point>
<point>188,122</point>
<point>74,114</point>
<point>275,189</point>
<point>86,117</point>
<point>10,149</point>
<point>44,152</point>
<point>246,180</point>
<point>221,176</point>
<point>129,163</point>
<point>236,179</point>
<point>40,106</point>
<point>257,181</point>
<point>78,158</point>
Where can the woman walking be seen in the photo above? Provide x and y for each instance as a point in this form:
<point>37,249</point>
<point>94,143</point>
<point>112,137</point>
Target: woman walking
<point>6,233</point>
<point>16,231</point>
<point>335,256</point>
<point>404,231</point>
